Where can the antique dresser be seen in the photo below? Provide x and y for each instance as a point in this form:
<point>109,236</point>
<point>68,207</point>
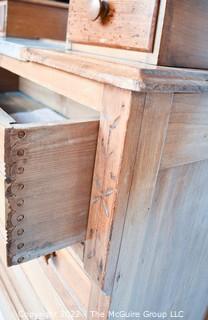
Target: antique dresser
<point>104,162</point>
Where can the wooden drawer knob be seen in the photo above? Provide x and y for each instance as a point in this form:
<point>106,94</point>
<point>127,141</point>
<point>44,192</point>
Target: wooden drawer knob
<point>98,8</point>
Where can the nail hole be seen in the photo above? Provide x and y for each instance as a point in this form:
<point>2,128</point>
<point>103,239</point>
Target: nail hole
<point>20,232</point>
<point>20,218</point>
<point>20,260</point>
<point>21,134</point>
<point>20,203</point>
<point>20,170</point>
<point>20,152</point>
<point>21,186</point>
<point>20,245</point>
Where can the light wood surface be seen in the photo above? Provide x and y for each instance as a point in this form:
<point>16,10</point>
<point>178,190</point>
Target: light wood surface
<point>27,19</point>
<point>55,290</point>
<point>31,170</point>
<point>170,246</point>
<point>187,137</point>
<point>179,33</point>
<point>68,107</point>
<point>131,76</point>
<point>69,71</point>
<point>164,242</point>
<point>83,91</point>
<point>121,29</point>
<point>110,167</point>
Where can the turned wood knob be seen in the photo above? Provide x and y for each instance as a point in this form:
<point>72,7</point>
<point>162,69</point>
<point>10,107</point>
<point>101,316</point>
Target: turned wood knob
<point>98,8</point>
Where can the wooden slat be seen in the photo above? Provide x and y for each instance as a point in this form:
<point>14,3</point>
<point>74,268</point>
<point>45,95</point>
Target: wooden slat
<point>60,103</point>
<point>66,293</point>
<point>53,303</point>
<point>113,165</point>
<point>74,278</point>
<point>7,309</point>
<point>13,295</point>
<point>84,91</point>
<point>151,142</point>
<point>132,76</point>
<point>71,75</point>
<point>29,298</point>
<point>168,252</point>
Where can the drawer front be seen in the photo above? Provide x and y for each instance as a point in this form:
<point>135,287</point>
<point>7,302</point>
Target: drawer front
<point>27,19</point>
<point>128,25</point>
<point>46,176</point>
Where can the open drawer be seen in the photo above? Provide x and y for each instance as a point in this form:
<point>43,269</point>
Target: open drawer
<point>46,168</point>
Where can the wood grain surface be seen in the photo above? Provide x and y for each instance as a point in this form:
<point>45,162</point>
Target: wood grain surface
<point>121,29</point>
<point>48,175</point>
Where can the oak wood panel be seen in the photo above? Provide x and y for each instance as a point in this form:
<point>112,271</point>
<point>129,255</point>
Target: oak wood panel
<point>167,246</point>
<point>121,29</point>
<point>184,42</point>
<point>187,138</point>
<point>27,19</point>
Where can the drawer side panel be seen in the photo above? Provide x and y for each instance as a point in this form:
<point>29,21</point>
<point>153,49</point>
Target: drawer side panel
<point>50,170</point>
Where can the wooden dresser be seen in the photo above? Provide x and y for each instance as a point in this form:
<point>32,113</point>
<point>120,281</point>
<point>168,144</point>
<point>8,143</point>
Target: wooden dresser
<point>104,212</point>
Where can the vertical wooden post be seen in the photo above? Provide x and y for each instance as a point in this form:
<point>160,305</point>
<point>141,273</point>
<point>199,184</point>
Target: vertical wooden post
<point>117,144</point>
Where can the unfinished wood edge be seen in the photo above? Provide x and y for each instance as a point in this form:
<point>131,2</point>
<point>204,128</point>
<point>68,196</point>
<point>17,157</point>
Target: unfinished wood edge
<point>96,255</point>
<point>35,253</point>
<point>8,183</point>
<point>149,153</point>
<point>99,304</point>
<point>126,176</point>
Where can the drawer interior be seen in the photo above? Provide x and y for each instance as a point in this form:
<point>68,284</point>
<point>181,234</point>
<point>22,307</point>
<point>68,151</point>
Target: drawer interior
<point>24,109</point>
<point>48,146</point>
